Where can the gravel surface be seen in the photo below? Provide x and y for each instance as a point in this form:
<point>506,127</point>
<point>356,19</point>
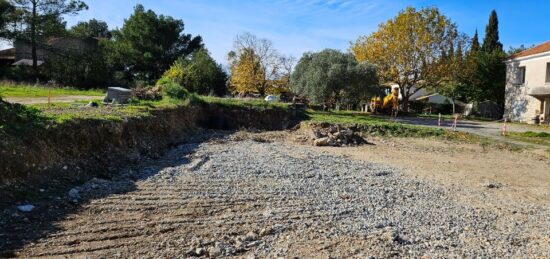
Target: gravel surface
<point>261,199</point>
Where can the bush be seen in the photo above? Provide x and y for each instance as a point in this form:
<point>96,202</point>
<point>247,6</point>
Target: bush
<point>174,90</point>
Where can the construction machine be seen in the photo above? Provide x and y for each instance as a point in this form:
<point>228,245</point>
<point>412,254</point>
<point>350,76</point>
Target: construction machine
<point>390,103</point>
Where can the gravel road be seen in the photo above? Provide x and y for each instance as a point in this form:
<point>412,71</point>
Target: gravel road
<point>268,199</point>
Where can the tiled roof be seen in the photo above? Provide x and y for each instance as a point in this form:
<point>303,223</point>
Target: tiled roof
<point>545,47</point>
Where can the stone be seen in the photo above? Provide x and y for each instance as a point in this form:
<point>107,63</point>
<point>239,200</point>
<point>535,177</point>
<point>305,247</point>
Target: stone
<point>321,142</point>
<point>492,185</point>
<point>266,231</point>
<point>253,244</point>
<point>74,194</point>
<point>200,251</point>
<point>25,208</point>
<point>92,104</point>
<point>251,236</point>
<point>216,250</point>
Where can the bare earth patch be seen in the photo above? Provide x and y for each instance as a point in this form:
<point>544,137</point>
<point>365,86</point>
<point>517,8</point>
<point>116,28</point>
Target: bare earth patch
<point>262,195</point>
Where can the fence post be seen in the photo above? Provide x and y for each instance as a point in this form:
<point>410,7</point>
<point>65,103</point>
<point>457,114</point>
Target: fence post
<point>504,127</point>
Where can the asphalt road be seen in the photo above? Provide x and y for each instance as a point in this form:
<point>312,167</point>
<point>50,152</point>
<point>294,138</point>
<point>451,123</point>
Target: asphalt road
<point>482,128</point>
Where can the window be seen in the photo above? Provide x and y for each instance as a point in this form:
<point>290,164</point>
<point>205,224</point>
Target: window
<point>521,76</point>
<point>548,73</point>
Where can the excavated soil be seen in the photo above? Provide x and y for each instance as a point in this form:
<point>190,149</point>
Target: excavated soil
<point>261,195</point>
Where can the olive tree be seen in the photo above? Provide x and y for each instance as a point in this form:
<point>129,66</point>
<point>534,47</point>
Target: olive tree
<point>331,76</point>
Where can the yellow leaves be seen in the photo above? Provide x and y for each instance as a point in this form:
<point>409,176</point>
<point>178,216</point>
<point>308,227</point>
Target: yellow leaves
<point>247,75</point>
<point>409,46</point>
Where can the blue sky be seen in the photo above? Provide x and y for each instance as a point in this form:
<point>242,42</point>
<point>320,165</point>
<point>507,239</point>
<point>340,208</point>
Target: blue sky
<point>311,25</point>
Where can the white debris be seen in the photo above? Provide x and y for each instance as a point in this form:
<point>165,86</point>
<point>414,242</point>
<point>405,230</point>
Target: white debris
<point>25,208</point>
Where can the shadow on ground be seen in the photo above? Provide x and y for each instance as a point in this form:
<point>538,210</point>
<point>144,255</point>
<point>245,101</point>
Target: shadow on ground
<point>53,204</point>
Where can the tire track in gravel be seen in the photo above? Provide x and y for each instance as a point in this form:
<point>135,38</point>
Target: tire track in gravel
<point>269,199</point>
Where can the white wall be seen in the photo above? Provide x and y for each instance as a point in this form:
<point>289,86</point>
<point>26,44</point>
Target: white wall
<point>518,105</point>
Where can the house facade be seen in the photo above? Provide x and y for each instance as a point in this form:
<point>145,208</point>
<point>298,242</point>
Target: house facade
<point>21,53</point>
<point>528,85</point>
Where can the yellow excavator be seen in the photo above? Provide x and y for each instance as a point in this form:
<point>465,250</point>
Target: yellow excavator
<point>390,104</point>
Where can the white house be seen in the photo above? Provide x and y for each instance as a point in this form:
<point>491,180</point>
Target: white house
<point>528,85</point>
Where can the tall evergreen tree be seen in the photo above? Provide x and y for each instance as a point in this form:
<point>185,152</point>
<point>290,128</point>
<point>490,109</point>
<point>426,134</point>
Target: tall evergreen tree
<point>475,43</point>
<point>5,11</point>
<point>491,42</point>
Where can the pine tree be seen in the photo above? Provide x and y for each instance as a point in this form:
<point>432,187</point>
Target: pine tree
<point>475,42</point>
<point>491,41</point>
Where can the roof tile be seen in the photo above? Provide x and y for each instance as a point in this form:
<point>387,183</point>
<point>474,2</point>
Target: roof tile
<point>545,47</point>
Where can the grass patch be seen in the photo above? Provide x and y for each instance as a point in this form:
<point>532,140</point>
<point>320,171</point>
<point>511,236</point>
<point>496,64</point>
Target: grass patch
<point>372,125</point>
<point>21,91</point>
<point>237,102</point>
<point>539,138</point>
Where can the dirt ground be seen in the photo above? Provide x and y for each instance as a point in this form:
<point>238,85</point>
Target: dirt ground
<point>175,209</point>
<point>518,175</point>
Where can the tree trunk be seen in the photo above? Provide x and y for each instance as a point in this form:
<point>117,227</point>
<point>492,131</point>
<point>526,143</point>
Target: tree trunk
<point>406,104</point>
<point>405,96</point>
<point>33,40</point>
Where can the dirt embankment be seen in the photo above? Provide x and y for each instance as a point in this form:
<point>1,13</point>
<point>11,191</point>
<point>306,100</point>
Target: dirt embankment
<point>88,147</point>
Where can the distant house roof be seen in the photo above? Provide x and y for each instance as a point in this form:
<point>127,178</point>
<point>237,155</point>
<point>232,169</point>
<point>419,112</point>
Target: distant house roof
<point>27,62</point>
<point>7,53</point>
<point>545,47</point>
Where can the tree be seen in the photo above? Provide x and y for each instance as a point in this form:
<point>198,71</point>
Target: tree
<point>484,69</point>
<point>91,29</point>
<point>6,11</point>
<point>475,43</point>
<point>42,18</point>
<point>148,44</point>
<point>491,42</point>
<point>199,73</point>
<point>516,50</point>
<point>331,76</point>
<point>256,67</point>
<point>408,50</point>
<point>453,87</point>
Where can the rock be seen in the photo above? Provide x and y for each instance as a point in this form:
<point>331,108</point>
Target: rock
<point>25,208</point>
<point>200,251</point>
<point>390,235</point>
<point>253,244</point>
<point>266,232</point>
<point>492,185</point>
<point>321,142</point>
<point>251,236</point>
<point>74,194</point>
<point>92,104</point>
<point>216,250</point>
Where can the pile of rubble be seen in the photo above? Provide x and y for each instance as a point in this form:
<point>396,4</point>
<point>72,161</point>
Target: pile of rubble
<point>337,137</point>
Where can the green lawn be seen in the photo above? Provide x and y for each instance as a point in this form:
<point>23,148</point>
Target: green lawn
<point>540,138</point>
<point>373,125</point>
<point>236,102</point>
<point>7,90</point>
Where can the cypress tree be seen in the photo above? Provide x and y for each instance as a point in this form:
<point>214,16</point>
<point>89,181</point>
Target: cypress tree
<point>475,42</point>
<point>491,41</point>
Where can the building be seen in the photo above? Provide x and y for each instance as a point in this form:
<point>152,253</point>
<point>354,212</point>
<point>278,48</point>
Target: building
<point>7,57</point>
<point>528,85</point>
<point>21,53</point>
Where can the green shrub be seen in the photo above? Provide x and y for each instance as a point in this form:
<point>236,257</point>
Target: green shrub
<point>174,90</point>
